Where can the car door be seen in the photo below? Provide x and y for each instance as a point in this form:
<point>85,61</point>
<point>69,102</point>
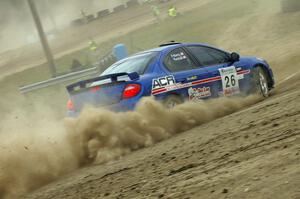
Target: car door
<point>223,74</point>
<point>187,75</point>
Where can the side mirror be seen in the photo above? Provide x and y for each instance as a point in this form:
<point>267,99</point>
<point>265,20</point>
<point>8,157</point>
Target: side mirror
<point>234,57</point>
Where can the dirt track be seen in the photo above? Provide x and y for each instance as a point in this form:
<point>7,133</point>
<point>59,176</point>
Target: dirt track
<point>253,153</point>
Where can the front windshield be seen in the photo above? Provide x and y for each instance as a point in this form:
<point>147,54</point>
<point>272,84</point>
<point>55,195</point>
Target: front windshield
<point>137,63</point>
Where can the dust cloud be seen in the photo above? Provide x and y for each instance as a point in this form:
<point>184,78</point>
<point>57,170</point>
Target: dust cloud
<point>17,26</point>
<point>33,151</point>
<point>35,155</point>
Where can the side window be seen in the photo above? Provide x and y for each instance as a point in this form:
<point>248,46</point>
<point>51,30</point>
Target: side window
<point>178,60</point>
<point>208,56</point>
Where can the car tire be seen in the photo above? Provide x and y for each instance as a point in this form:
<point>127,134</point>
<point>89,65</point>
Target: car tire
<point>172,101</point>
<point>261,82</point>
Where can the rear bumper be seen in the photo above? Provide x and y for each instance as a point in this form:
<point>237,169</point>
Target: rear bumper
<point>123,106</point>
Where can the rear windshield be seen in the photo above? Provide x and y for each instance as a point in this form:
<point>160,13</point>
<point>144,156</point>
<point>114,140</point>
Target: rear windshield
<point>137,63</point>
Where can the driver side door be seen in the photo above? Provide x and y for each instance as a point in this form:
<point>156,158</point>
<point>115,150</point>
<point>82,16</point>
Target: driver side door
<point>187,74</point>
<point>223,74</point>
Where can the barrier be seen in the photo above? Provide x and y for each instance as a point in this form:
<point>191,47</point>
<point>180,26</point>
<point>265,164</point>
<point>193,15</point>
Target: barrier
<point>60,79</point>
<point>290,5</point>
<point>119,8</point>
<point>77,22</point>
<point>103,13</point>
<point>132,3</point>
<point>90,18</point>
<point>119,52</point>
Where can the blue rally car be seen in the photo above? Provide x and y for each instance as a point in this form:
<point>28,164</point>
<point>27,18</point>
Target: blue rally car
<point>172,73</point>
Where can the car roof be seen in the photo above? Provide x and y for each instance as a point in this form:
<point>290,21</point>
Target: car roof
<point>164,47</point>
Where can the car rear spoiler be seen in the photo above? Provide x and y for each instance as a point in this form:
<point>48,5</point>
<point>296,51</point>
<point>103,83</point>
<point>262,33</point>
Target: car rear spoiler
<point>106,79</point>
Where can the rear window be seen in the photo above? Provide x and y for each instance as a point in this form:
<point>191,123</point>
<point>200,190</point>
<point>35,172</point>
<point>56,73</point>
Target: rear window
<point>137,63</point>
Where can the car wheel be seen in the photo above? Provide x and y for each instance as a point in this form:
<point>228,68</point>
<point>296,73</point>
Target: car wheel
<point>261,82</point>
<point>172,101</point>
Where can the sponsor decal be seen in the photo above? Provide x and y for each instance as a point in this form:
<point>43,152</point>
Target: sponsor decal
<point>191,78</point>
<point>171,85</point>
<point>230,80</point>
<point>178,56</point>
<point>198,93</point>
<point>163,82</point>
<point>231,91</point>
<point>241,76</point>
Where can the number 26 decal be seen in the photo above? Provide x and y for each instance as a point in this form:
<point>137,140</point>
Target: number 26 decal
<point>230,81</point>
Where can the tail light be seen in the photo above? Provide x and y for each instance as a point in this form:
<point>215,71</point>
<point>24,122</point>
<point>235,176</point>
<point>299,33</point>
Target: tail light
<point>95,89</point>
<point>131,90</point>
<point>70,105</point>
